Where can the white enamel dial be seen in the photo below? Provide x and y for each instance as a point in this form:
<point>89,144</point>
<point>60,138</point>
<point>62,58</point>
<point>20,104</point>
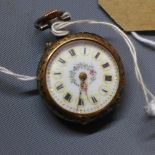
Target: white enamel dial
<point>82,77</point>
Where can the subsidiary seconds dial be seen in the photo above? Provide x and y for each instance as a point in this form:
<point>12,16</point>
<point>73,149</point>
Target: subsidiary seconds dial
<point>81,77</point>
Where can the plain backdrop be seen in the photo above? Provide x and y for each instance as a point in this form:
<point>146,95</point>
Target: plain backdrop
<point>27,126</point>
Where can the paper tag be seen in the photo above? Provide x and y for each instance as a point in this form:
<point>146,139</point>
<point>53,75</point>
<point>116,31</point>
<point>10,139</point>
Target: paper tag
<point>131,15</point>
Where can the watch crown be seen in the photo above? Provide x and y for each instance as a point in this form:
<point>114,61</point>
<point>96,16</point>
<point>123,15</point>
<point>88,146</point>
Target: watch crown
<point>46,20</point>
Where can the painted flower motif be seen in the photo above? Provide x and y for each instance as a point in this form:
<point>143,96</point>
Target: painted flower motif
<point>92,72</point>
<point>82,67</point>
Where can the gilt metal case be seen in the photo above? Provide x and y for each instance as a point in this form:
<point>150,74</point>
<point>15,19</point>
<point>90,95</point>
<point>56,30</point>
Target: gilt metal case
<point>80,118</point>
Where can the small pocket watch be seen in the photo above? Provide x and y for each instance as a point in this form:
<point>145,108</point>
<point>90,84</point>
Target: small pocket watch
<point>81,75</point>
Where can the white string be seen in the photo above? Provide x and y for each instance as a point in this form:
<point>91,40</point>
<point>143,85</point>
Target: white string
<point>17,76</point>
<point>143,40</point>
<point>58,29</point>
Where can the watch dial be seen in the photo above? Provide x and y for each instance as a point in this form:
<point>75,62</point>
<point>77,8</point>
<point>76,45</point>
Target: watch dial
<point>82,77</point>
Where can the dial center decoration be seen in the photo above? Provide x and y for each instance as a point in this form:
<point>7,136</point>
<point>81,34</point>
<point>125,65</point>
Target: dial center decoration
<point>89,69</point>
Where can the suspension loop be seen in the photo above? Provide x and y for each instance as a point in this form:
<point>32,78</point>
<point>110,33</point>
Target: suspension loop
<point>47,19</point>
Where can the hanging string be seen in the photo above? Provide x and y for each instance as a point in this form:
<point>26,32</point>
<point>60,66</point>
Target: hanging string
<point>59,29</point>
<point>17,76</point>
<point>146,41</point>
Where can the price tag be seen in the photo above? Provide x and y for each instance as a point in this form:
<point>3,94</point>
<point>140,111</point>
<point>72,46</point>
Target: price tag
<point>131,15</point>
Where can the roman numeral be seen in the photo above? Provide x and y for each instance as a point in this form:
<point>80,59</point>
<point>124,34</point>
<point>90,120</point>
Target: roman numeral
<point>84,50</point>
<point>60,87</point>
<point>106,65</point>
<point>94,99</point>
<point>104,90</point>
<point>72,52</point>
<point>97,55</point>
<point>68,97</point>
<point>108,78</point>
<point>57,73</point>
<point>62,61</point>
<point>81,102</point>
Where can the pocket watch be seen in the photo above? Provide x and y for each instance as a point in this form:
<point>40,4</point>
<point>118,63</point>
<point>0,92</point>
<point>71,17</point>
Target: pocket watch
<point>80,76</point>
